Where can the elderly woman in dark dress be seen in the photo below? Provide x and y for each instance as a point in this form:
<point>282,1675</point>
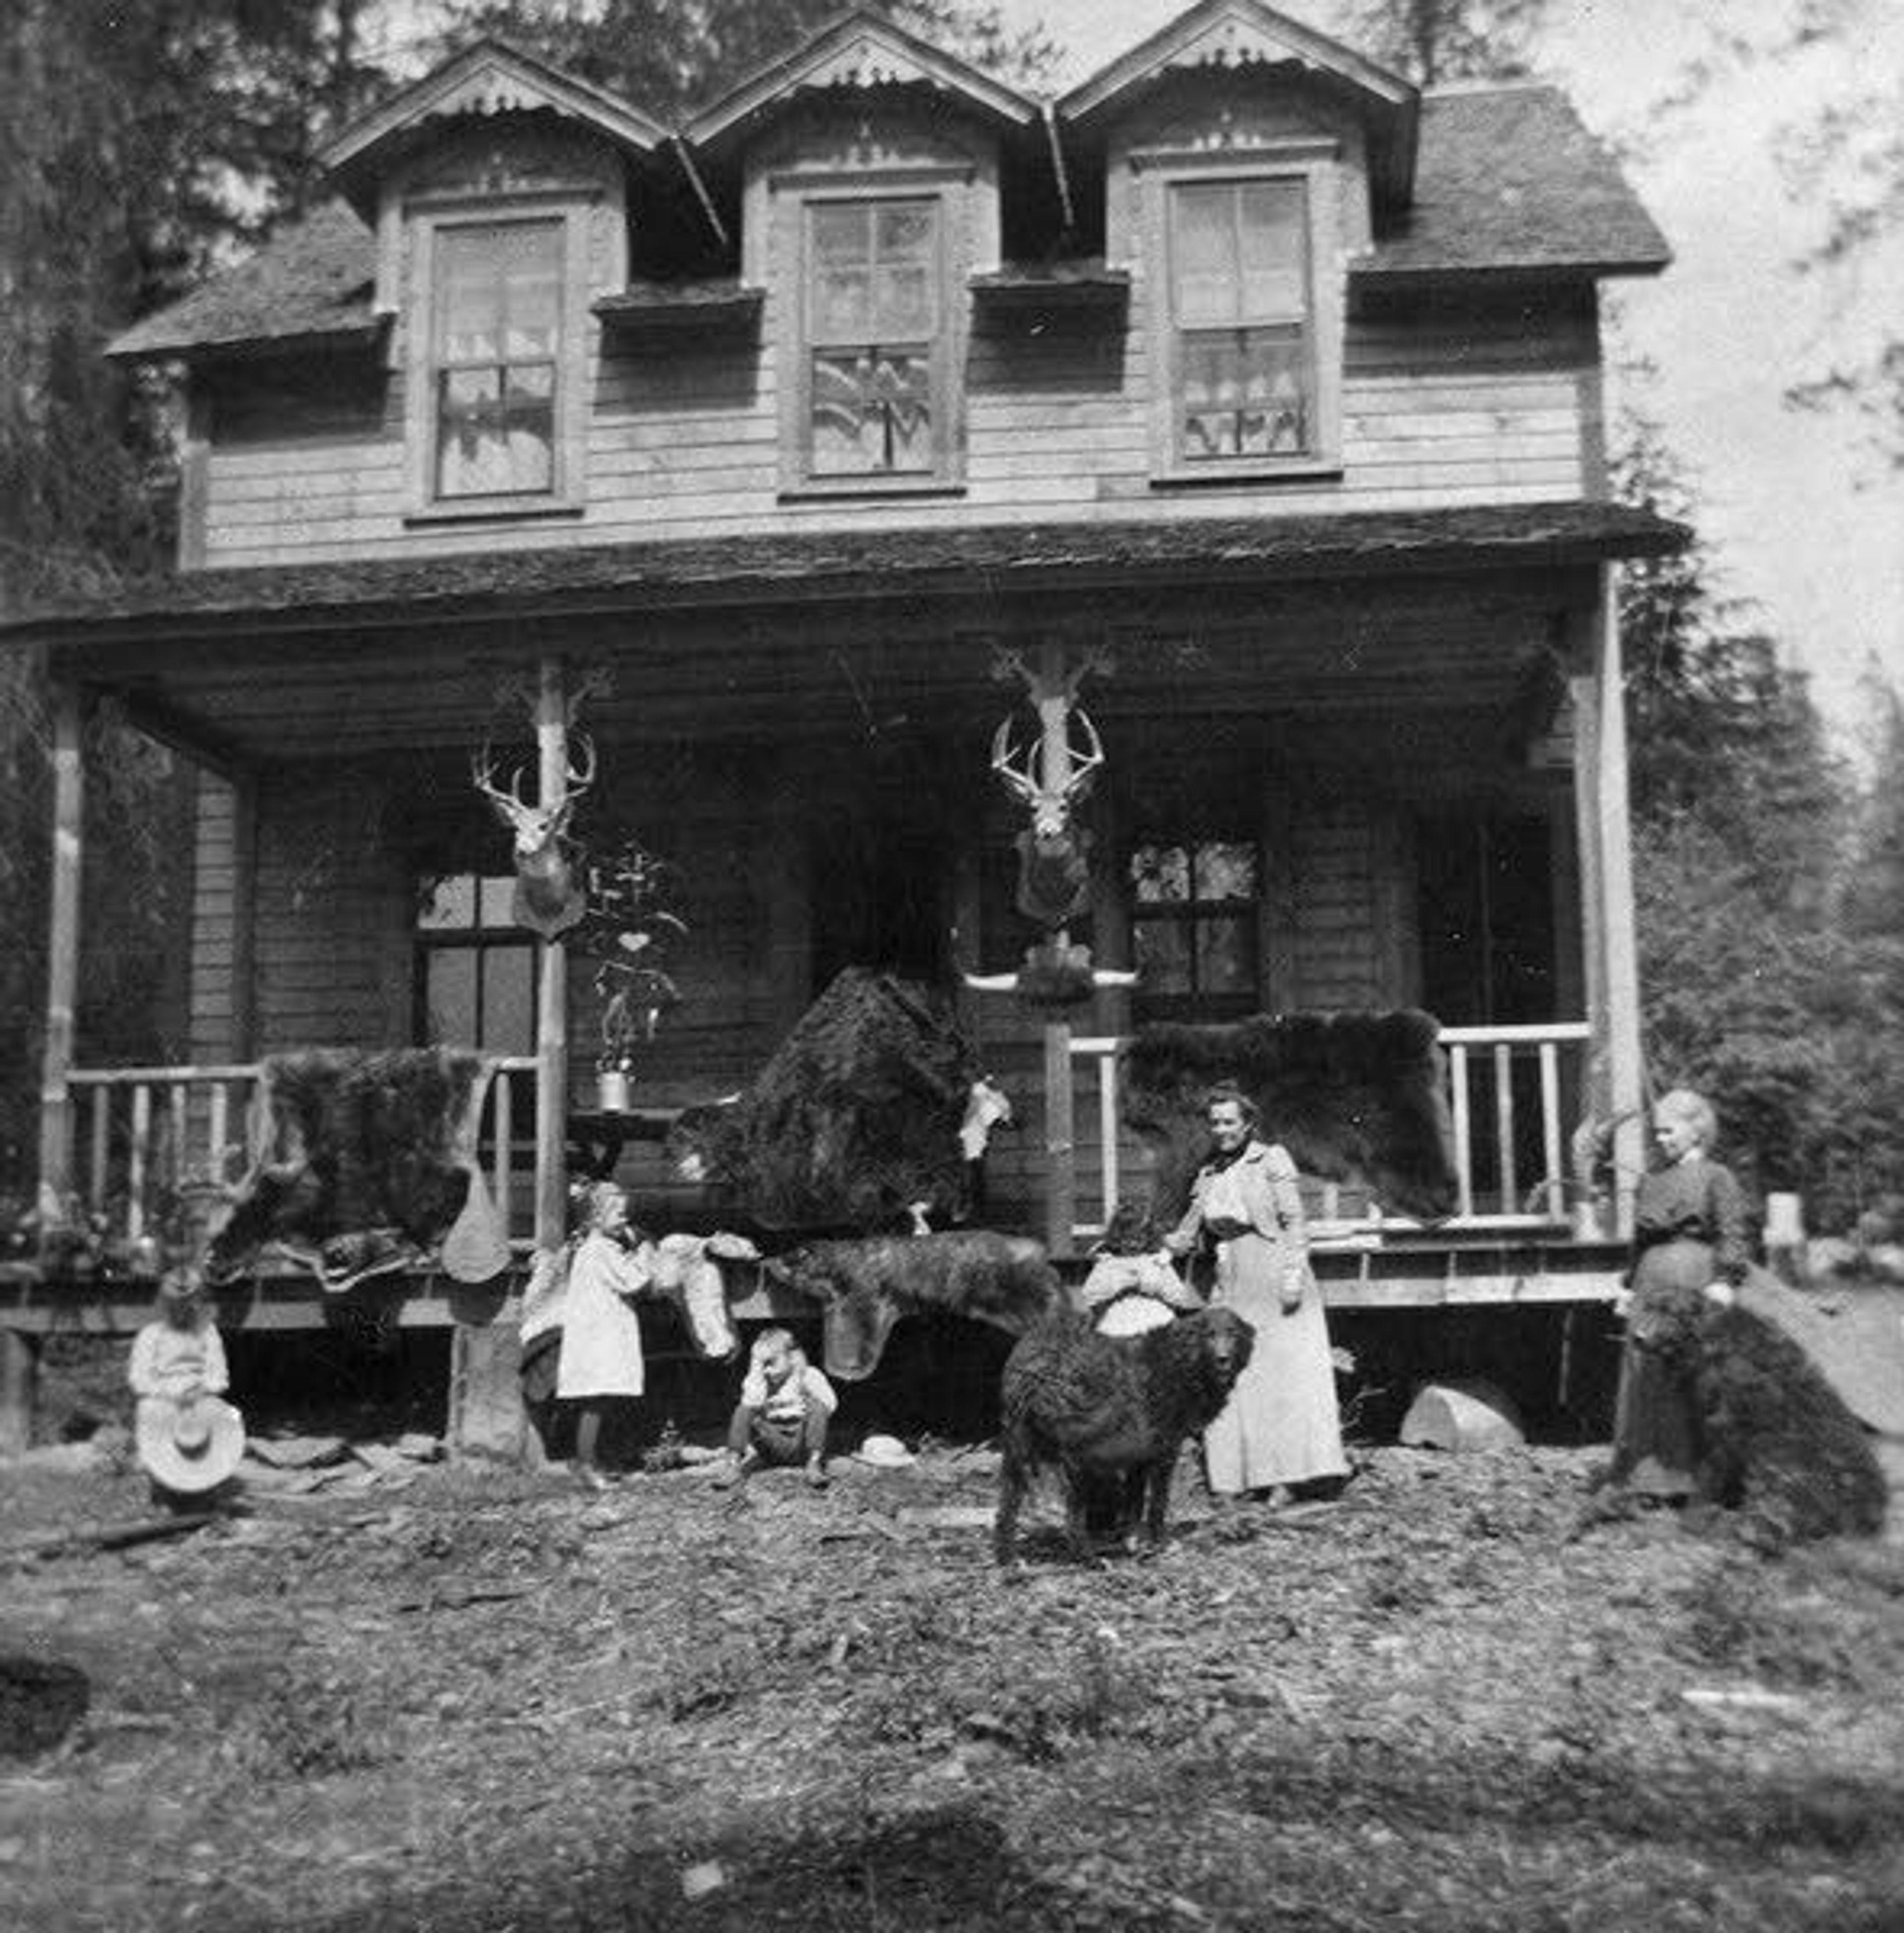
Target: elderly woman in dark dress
<point>1690,1246</point>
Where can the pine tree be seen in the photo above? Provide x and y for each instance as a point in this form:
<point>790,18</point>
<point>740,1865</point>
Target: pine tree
<point>1432,41</point>
<point>672,58</point>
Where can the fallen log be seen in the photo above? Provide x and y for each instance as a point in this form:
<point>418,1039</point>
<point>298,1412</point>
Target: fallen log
<point>109,1536</point>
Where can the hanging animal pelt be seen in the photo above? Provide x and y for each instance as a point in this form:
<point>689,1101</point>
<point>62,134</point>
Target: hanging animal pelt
<point>1355,1097</point>
<point>368,1164</point>
<point>855,1118</point>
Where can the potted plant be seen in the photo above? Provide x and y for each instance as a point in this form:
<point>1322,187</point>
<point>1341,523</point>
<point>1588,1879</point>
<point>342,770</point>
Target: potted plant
<point>630,933</point>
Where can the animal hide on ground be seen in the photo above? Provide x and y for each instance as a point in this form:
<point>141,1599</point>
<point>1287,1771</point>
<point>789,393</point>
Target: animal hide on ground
<point>865,1287</point>
<point>1354,1097</point>
<point>368,1165</point>
<point>855,1117</point>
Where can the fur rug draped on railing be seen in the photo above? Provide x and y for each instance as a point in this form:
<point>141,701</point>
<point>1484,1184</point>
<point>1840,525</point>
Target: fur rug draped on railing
<point>368,1164</point>
<point>1355,1097</point>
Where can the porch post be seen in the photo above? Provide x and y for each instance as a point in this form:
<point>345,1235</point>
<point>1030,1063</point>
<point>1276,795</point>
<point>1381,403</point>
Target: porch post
<point>487,1416</point>
<point>552,1008</point>
<point>62,952</point>
<point>1622,926</point>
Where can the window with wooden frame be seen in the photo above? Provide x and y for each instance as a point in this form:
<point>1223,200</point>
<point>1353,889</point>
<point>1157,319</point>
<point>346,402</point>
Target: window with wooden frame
<point>1195,906</point>
<point>496,360</point>
<point>1247,331</point>
<point>874,349</point>
<point>476,968</point>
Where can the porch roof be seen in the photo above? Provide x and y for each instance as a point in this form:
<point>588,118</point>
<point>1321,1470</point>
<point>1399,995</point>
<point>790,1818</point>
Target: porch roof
<point>867,565</point>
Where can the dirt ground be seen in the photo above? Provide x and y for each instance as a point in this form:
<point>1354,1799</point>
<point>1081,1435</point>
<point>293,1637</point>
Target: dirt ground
<point>488,1702</point>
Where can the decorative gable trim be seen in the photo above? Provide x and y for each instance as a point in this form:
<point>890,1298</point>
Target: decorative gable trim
<point>489,79</point>
<point>1244,33</point>
<point>860,51</point>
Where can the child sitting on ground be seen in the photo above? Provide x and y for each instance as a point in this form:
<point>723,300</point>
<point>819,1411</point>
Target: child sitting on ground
<point>785,1408</point>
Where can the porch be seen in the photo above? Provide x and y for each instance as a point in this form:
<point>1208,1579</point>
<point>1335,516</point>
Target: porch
<point>1523,1235</point>
<point>1402,721</point>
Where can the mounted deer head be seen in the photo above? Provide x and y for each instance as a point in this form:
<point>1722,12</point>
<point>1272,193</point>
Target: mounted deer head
<point>549,900</point>
<point>1051,778</point>
<point>1050,803</point>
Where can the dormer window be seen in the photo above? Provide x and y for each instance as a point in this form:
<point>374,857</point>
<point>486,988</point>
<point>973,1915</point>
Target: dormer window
<point>1244,374</point>
<point>1246,326</point>
<point>873,304</point>
<point>496,358</point>
<point>874,366</point>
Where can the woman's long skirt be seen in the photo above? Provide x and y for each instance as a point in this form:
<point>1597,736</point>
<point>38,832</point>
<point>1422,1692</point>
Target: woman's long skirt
<point>1656,1431</point>
<point>1281,1424</point>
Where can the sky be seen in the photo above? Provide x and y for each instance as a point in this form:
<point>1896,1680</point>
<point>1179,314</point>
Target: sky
<point>1799,520</point>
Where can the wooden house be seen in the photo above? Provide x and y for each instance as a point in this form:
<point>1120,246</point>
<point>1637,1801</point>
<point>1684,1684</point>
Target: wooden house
<point>1263,382</point>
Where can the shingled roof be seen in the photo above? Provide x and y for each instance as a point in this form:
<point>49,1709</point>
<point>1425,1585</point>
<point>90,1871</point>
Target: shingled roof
<point>838,564</point>
<point>313,281</point>
<point>1510,179</point>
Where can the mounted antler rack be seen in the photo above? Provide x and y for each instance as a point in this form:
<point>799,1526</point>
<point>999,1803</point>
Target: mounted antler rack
<point>1050,777</point>
<point>548,897</point>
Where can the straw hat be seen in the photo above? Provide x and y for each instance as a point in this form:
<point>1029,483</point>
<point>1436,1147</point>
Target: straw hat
<point>190,1447</point>
<point>883,1452</point>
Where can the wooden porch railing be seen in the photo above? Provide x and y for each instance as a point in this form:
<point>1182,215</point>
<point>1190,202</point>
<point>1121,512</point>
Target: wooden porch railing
<point>139,1132</point>
<point>1509,1089</point>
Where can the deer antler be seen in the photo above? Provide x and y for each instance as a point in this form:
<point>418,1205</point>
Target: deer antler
<point>482,774</point>
<point>1021,785</point>
<point>576,782</point>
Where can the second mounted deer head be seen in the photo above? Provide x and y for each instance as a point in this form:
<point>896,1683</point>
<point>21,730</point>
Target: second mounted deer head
<point>1051,778</point>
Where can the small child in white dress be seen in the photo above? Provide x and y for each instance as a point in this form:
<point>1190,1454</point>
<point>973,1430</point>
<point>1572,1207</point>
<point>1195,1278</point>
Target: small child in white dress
<point>585,1289</point>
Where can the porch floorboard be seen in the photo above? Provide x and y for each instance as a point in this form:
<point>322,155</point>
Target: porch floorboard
<point>1416,1274</point>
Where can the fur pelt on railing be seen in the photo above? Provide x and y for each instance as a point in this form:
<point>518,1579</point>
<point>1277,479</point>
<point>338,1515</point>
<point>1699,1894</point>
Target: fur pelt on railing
<point>1354,1097</point>
<point>854,1118</point>
<point>368,1164</point>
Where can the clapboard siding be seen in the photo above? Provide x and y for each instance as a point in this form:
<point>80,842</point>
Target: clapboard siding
<point>211,1017</point>
<point>687,442</point>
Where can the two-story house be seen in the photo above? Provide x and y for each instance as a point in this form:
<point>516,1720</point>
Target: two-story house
<point>1266,383</point>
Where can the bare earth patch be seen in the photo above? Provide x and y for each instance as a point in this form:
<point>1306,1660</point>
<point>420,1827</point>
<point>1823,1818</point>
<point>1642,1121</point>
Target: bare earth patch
<point>484,1701</point>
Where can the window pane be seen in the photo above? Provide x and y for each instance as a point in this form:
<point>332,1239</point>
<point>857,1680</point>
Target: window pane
<point>1161,952</point>
<point>468,321</point>
<point>1226,871</point>
<point>841,271</point>
<point>450,993</point>
<point>872,412</point>
<point>528,266</point>
<point>452,904</point>
<point>497,901</point>
<point>1273,244</point>
<point>1245,393</point>
<point>906,257</point>
<point>1204,255</point>
<point>1226,956</point>
<point>1159,874</point>
<point>496,431</point>
<point>509,1000</point>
